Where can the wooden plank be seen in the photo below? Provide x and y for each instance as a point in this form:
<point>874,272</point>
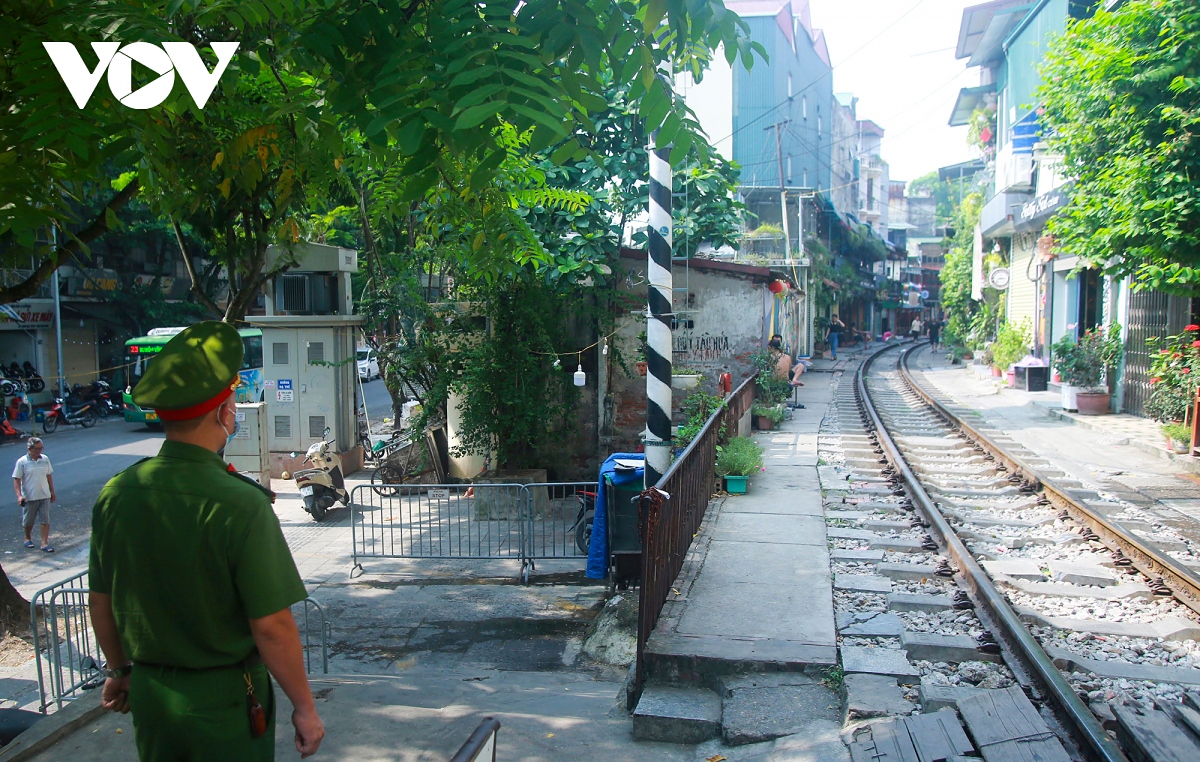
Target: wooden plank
<point>890,742</point>
<point>1149,735</point>
<point>938,736</point>
<point>1184,717</point>
<point>1192,699</point>
<point>1007,728</point>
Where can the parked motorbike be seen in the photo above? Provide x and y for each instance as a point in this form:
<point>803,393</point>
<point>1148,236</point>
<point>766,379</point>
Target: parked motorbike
<point>13,381</point>
<point>322,485</point>
<point>69,410</point>
<point>33,379</point>
<point>101,395</point>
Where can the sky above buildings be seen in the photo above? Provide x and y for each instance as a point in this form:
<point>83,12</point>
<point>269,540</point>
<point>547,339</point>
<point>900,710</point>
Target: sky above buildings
<point>897,57</point>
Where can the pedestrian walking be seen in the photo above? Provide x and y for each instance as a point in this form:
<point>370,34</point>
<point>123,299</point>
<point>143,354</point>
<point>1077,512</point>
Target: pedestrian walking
<point>33,481</point>
<point>915,328</point>
<point>935,328</point>
<point>191,579</point>
<point>836,326</point>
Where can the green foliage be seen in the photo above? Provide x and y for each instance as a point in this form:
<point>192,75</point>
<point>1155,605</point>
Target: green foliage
<point>1122,104</point>
<point>1174,374</point>
<point>1177,432</point>
<point>697,409</point>
<point>1087,362</point>
<point>740,456</point>
<point>770,389</point>
<point>981,129</point>
<point>515,403</point>
<point>947,195</point>
<point>968,322</point>
<point>1011,344</point>
<point>774,412</point>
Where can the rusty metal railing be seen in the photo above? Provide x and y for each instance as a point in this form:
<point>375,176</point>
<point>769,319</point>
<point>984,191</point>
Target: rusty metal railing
<point>673,515</point>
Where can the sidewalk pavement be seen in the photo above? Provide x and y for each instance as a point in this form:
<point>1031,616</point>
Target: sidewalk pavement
<point>757,586</point>
<point>1121,469</point>
<point>1139,433</point>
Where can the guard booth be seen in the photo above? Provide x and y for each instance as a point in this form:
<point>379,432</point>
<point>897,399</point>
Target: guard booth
<point>310,366</point>
<point>309,374</point>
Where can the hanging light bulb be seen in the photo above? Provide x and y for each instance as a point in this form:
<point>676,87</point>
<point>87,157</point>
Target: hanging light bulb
<point>557,364</point>
<point>579,376</point>
<point>605,350</point>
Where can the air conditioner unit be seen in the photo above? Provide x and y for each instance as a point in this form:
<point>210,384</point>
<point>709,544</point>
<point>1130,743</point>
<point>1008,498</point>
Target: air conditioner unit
<point>1014,171</point>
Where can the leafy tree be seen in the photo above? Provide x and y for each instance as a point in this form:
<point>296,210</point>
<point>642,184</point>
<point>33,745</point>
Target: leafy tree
<point>54,156</point>
<point>947,195</point>
<point>1122,104</point>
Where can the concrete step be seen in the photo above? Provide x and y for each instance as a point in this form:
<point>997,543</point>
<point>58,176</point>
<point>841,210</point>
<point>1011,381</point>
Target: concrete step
<point>676,715</point>
<point>954,649</point>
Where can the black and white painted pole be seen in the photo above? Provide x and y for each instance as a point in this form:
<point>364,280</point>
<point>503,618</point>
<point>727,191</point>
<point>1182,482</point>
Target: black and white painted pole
<point>658,323</point>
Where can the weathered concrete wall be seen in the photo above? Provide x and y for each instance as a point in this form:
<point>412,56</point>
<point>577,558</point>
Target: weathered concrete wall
<point>722,319</point>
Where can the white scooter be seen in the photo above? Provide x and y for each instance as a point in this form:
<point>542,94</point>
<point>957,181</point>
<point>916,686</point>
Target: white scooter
<point>322,485</point>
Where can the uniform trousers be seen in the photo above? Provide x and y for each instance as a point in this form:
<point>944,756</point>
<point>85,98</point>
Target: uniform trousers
<point>199,715</point>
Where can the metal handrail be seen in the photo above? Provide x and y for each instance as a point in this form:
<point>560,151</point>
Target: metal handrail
<point>673,518</point>
<point>36,603</point>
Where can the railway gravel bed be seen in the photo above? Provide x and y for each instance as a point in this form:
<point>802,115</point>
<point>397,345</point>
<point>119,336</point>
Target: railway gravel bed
<point>965,567</point>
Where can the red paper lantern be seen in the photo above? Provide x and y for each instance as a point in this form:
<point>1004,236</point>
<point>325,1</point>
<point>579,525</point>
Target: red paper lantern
<point>777,287</point>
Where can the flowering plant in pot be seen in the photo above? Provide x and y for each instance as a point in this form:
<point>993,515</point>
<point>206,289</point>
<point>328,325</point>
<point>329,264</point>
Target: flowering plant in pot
<point>1174,375</point>
<point>1011,344</point>
<point>738,460</point>
<point>1084,367</point>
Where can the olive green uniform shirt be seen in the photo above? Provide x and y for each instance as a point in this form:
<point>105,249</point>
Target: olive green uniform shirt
<point>189,553</point>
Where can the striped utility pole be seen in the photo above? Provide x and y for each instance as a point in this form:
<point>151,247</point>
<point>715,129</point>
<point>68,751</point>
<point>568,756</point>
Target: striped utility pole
<point>658,323</point>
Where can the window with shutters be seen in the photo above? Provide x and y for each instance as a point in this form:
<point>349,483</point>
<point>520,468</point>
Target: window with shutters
<point>279,353</point>
<point>316,426</point>
<point>316,352</point>
<point>283,427</point>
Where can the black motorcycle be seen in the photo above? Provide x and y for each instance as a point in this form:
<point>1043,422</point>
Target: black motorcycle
<point>33,379</point>
<point>101,395</point>
<point>583,520</point>
<point>13,381</point>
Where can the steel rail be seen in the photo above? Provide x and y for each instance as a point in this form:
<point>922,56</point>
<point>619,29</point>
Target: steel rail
<point>1079,720</point>
<point>1147,559</point>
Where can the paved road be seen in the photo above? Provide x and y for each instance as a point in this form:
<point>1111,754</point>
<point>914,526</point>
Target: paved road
<point>83,459</point>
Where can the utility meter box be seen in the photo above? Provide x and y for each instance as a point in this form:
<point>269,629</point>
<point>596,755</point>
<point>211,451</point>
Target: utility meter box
<point>249,451</point>
<point>310,375</point>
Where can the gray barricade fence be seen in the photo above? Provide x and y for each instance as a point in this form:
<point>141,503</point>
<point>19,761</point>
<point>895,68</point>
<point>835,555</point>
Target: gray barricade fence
<point>61,626</point>
<point>523,522</point>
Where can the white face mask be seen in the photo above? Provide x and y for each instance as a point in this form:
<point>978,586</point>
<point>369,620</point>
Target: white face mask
<point>229,435</point>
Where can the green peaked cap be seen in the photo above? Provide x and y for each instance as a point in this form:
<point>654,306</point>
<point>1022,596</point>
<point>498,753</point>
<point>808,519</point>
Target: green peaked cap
<point>195,366</point>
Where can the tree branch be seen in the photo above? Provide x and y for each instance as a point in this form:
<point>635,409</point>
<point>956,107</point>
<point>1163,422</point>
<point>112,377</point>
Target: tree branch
<point>196,289</point>
<point>97,228</point>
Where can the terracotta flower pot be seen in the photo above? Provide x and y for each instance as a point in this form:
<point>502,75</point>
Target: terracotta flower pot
<point>1092,403</point>
<point>996,372</point>
<point>763,423</point>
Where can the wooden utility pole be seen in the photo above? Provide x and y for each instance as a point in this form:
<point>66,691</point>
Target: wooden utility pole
<point>787,236</point>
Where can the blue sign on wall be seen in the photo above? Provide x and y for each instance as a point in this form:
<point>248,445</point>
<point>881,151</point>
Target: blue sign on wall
<point>285,383</point>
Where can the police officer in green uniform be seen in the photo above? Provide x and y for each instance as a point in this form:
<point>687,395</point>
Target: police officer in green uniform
<point>191,580</point>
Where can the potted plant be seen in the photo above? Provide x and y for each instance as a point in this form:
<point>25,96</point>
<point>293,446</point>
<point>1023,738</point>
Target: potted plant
<point>683,377</point>
<point>1084,366</point>
<point>1011,344</point>
<point>737,461</point>
<point>766,417</point>
<point>1179,437</point>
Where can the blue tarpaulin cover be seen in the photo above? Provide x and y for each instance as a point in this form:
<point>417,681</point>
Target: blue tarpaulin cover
<point>597,563</point>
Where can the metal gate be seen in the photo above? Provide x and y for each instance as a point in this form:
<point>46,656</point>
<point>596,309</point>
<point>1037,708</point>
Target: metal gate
<point>522,522</point>
<point>61,626</point>
<point>1150,314</point>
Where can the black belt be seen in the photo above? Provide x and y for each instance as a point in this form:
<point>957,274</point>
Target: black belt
<point>253,660</point>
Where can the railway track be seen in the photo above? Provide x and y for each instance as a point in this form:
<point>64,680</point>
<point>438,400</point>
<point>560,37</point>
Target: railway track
<point>1097,626</point>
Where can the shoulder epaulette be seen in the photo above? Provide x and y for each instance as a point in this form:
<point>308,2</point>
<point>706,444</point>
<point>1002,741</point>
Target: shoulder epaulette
<point>233,472</point>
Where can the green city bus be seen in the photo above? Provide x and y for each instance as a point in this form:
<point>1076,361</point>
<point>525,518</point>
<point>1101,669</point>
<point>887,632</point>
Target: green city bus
<point>140,352</point>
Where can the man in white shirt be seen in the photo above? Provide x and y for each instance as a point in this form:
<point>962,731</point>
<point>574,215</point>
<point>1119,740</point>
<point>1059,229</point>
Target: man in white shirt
<point>34,485</point>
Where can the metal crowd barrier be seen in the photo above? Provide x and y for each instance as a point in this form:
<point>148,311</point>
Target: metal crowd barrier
<point>523,522</point>
<point>73,657</point>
